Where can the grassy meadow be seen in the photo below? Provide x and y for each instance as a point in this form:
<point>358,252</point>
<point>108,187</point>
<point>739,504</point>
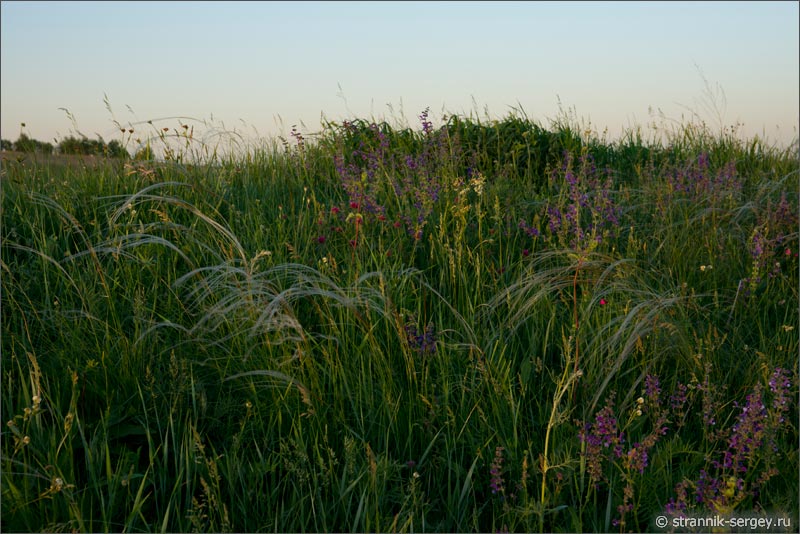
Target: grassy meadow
<point>485,326</point>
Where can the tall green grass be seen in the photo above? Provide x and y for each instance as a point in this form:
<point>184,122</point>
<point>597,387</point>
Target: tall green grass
<point>244,344</point>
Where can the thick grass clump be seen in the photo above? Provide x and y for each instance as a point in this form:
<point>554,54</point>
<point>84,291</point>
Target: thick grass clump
<point>477,327</point>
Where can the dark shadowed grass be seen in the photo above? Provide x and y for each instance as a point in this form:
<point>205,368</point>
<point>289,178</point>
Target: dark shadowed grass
<point>481,327</point>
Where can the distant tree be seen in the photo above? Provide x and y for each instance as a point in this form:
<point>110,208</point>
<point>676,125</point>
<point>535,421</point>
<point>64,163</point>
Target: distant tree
<point>83,146</point>
<point>24,143</point>
<point>97,147</point>
<point>116,150</point>
<point>44,148</point>
<point>70,145</point>
<point>5,144</point>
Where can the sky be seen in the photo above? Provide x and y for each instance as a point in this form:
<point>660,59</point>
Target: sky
<point>258,68</point>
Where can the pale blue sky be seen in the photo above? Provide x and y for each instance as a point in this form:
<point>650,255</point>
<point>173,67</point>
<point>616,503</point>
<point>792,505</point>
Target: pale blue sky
<point>248,63</point>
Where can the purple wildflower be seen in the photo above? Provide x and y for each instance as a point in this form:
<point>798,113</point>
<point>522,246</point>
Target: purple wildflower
<point>747,434</point>
<point>422,343</point>
<point>584,214</point>
<point>636,458</point>
<point>496,471</point>
<point>677,402</point>
<point>779,384</point>
<point>555,219</point>
<point>679,507</point>
<point>652,388</point>
<point>427,126</point>
<point>528,229</point>
<point>599,436</point>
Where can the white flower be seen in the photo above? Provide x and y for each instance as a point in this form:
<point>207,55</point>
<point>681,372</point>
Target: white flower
<point>477,184</point>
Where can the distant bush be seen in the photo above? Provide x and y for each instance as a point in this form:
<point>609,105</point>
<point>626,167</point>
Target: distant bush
<point>97,147</point>
<point>116,150</point>
<point>26,144</point>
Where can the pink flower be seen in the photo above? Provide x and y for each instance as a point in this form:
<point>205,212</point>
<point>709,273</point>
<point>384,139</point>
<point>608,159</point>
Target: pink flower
<point>334,210</point>
<point>602,302</point>
<point>321,239</point>
<point>354,205</point>
<point>526,252</point>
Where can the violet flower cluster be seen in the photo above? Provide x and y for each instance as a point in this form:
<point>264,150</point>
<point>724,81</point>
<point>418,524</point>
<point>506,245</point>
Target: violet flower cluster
<point>374,176</point>
<point>748,457</point>
<point>583,214</point>
<point>772,244</point>
<point>602,438</point>
<point>747,435</point>
<point>423,343</point>
<point>698,182</point>
<point>605,443</point>
<point>360,176</point>
<point>496,483</point>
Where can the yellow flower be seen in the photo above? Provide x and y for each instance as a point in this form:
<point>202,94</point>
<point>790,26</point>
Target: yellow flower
<point>730,489</point>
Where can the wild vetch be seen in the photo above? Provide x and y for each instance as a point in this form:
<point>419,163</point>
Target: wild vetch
<point>696,181</point>
<point>530,230</point>
<point>770,244</point>
<point>677,403</point>
<point>584,214</point>
<point>603,441</point>
<point>605,444</point>
<point>779,384</point>
<point>360,171</point>
<point>747,434</point>
<point>496,471</point>
<point>388,183</point>
<point>422,343</point>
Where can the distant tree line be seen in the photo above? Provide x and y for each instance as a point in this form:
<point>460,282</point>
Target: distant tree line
<point>70,145</point>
